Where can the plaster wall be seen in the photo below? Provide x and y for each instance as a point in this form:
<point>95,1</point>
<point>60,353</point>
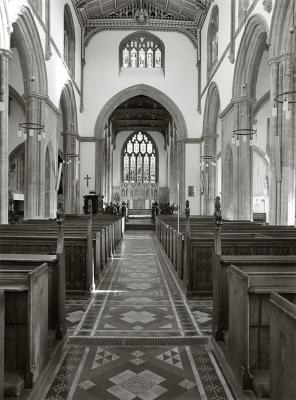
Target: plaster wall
<point>192,154</point>
<point>103,78</point>
<point>16,116</point>
<point>15,73</point>
<point>87,166</point>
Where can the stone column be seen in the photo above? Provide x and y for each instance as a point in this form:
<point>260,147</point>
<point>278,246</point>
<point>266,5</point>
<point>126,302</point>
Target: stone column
<point>32,159</point>
<point>209,174</point>
<point>69,173</point>
<point>243,120</point>
<point>5,55</point>
<point>100,167</point>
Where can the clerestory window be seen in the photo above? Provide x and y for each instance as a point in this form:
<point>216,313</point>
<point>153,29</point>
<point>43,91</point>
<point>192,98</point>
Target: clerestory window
<point>142,50</point>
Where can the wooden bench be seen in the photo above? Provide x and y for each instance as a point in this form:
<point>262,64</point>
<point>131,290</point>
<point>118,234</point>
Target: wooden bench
<point>26,321</point>
<point>56,283</point>
<point>221,265</point>
<point>249,291</point>
<point>2,342</point>
<point>282,348</point>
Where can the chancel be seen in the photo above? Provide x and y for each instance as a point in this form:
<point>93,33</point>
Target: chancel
<point>147,199</point>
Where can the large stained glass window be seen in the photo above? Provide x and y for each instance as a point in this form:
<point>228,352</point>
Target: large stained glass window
<point>139,159</point>
<point>141,50</point>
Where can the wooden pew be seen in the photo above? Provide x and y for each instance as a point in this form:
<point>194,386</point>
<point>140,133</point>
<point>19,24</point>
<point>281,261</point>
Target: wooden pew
<point>84,259</point>
<point>56,284</point>
<point>221,265</point>
<point>235,240</point>
<point>249,311</point>
<point>282,348</point>
<point>2,341</point>
<point>26,321</point>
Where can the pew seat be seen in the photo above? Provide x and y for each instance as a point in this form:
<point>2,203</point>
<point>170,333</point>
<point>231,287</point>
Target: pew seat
<point>56,283</point>
<point>249,316</point>
<point>26,321</point>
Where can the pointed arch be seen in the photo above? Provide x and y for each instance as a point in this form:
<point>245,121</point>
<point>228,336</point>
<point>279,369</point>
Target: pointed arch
<point>282,20</point>
<point>212,110</point>
<point>69,108</point>
<point>252,46</point>
<point>138,90</point>
<point>70,132</point>
<point>27,41</point>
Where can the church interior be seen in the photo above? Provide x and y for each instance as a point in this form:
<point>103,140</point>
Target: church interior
<point>147,199</point>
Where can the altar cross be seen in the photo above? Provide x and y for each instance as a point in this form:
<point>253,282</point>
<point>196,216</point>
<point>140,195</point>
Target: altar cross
<point>87,179</point>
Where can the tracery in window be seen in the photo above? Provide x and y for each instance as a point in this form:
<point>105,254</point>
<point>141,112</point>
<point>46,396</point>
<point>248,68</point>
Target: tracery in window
<point>69,40</point>
<point>141,50</point>
<point>213,40</point>
<point>139,159</point>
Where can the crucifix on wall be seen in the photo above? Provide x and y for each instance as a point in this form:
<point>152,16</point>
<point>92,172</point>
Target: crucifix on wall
<point>87,179</point>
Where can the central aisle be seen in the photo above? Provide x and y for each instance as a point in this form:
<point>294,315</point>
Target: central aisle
<point>137,338</point>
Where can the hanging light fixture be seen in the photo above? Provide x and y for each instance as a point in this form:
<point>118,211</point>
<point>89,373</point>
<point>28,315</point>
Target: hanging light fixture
<point>208,158</point>
<point>31,128</point>
<point>206,161</point>
<point>247,134</point>
<point>287,98</point>
<point>71,157</point>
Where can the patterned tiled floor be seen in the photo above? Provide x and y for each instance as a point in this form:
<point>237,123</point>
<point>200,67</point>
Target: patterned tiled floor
<point>137,338</point>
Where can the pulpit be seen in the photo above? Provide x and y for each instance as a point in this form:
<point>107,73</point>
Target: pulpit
<point>97,203</point>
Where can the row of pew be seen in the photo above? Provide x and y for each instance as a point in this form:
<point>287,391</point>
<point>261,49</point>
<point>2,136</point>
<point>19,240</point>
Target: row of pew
<point>250,270</point>
<point>41,261</point>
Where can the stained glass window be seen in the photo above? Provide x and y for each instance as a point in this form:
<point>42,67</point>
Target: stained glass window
<point>141,51</point>
<point>139,159</point>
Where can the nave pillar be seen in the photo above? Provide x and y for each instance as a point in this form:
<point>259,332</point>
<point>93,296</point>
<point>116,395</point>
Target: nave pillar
<point>100,167</point>
<point>70,183</point>
<point>5,56</point>
<point>283,149</point>
<point>209,173</point>
<point>243,120</point>
<point>34,159</point>
<point>237,160</point>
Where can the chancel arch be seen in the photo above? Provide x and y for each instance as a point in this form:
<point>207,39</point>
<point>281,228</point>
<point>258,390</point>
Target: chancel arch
<point>175,124</point>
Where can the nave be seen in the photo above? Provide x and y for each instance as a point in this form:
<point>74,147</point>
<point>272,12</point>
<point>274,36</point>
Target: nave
<point>137,337</point>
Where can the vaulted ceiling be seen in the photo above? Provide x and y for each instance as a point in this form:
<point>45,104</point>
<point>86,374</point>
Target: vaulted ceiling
<point>185,16</point>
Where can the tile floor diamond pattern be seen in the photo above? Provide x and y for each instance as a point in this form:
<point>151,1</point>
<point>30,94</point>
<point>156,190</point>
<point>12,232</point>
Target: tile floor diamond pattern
<point>103,357</point>
<point>130,385</point>
<point>138,316</point>
<point>172,357</point>
<point>139,297</point>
